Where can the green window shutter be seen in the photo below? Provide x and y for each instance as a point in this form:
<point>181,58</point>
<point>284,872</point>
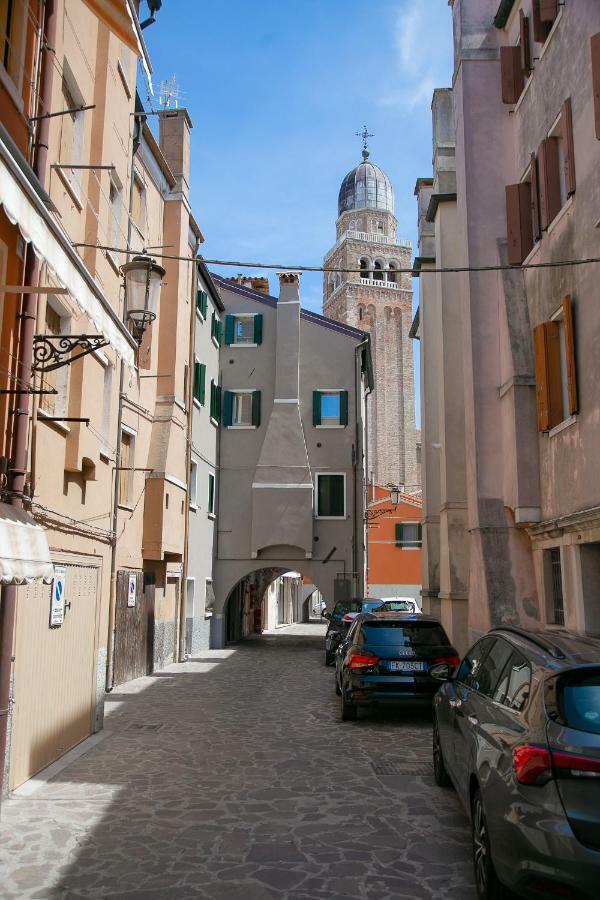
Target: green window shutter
<point>229,329</point>
<point>202,384</point>
<point>196,390</point>
<point>316,407</point>
<point>227,408</point>
<point>343,407</point>
<point>399,534</point>
<point>219,332</point>
<point>337,495</point>
<point>258,329</point>
<point>331,499</point>
<point>218,394</point>
<point>213,319</point>
<point>212,399</point>
<point>256,408</point>
<point>204,303</point>
<point>211,493</point>
<point>420,538</point>
<point>199,299</point>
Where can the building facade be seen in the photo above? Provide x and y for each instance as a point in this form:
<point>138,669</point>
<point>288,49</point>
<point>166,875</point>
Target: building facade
<point>377,298</point>
<point>394,546</point>
<point>292,453</point>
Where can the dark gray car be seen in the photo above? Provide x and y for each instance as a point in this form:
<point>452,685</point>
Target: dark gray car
<point>517,731</point>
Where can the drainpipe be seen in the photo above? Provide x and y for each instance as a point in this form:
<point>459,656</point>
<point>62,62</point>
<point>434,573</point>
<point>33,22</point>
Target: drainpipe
<point>27,316</point>
<point>358,462</point>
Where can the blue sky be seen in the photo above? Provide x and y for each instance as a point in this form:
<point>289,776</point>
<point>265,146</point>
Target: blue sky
<point>276,90</point>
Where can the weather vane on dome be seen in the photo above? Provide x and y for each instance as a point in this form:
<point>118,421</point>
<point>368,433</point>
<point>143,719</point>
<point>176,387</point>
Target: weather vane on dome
<point>365,135</point>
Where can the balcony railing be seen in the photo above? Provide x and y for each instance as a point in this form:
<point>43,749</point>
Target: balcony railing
<point>379,282</point>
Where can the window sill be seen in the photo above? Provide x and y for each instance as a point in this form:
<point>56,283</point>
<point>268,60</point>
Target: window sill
<point>125,506</point>
<point>70,189</point>
<point>193,507</point>
<point>331,518</point>
<point>198,404</point>
<point>330,427</point>
<point>214,422</point>
<point>241,427</point>
<point>59,426</point>
<point>532,253</point>
<point>242,346</point>
<point>200,316</point>
<point>112,259</point>
<point>562,425</point>
<point>560,214</point>
<point>212,516</point>
<point>215,342</point>
<point>401,547</point>
<point>551,35</point>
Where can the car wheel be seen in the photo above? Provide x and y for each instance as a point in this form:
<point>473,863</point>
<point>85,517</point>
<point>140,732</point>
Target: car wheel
<point>439,769</point>
<point>486,881</point>
<point>349,709</point>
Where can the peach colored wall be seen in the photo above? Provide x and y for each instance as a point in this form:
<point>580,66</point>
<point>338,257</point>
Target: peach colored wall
<point>388,564</point>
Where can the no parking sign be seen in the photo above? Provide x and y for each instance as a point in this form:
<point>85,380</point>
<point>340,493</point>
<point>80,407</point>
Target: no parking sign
<point>57,602</point>
<point>132,590</point>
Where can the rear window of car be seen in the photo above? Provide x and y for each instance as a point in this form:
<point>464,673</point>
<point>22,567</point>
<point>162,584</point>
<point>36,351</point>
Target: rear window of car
<point>422,634</point>
<point>578,700</point>
<point>355,606</point>
<point>399,606</point>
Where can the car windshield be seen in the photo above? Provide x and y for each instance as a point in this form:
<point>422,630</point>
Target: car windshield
<point>417,634</point>
<point>578,697</point>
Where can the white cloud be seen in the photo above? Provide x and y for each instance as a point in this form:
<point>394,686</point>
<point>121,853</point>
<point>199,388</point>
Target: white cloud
<point>423,54</point>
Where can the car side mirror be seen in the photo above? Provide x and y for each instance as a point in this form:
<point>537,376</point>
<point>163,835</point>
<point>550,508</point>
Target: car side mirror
<point>441,672</point>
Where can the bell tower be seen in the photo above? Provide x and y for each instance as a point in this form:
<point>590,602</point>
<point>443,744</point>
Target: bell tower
<point>378,299</point>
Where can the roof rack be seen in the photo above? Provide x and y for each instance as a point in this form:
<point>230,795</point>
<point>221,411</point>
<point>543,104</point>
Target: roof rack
<point>535,638</point>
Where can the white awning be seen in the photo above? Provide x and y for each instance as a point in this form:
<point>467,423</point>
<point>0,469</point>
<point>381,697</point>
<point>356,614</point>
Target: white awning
<point>24,203</point>
<point>24,553</point>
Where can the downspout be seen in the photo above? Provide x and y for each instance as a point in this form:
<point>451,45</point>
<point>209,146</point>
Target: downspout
<point>20,448</point>
<point>357,461</point>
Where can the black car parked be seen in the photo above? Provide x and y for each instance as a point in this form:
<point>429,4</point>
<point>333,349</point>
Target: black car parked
<point>341,619</point>
<point>390,657</point>
<point>517,731</point>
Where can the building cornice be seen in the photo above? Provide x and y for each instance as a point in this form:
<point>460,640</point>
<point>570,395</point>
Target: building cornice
<point>434,202</point>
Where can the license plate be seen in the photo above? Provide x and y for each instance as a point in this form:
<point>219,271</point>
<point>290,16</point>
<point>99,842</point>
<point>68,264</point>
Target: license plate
<point>406,666</point>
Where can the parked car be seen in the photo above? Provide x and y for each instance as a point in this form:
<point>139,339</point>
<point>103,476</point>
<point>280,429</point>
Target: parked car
<point>344,613</point>
<point>389,657</point>
<point>517,731</point>
<point>401,604</point>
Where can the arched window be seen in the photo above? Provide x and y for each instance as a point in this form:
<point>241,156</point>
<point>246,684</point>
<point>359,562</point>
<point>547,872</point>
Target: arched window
<point>378,270</point>
<point>330,286</point>
<point>364,268</point>
<point>361,312</point>
<point>392,272</point>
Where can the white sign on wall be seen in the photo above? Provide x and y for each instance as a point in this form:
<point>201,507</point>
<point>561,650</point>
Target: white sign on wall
<point>132,590</point>
<point>57,603</point>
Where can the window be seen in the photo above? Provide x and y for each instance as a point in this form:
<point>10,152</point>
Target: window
<point>126,466</point>
<point>492,667</point>
<point>201,303</point>
<point>241,409</point>
<point>216,329</point>
<point>391,275</point>
<point>138,204</point>
<point>555,608</point>
<point>469,669</point>
<point>514,686</point>
<point>243,329</point>
<point>211,494</point>
<point>71,130</point>
<point>330,409</point>
<point>215,402</point>
<point>577,700</point>
<point>409,535</point>
<point>199,387</point>
<point>364,268</point>
<point>12,38</point>
<point>115,201</point>
<point>193,486</point>
<point>330,495</point>
<point>377,270</point>
<point>57,322</point>
<point>555,372</point>
<point>543,26</point>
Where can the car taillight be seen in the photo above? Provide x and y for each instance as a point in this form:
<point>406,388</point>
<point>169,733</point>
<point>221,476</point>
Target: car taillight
<point>452,661</point>
<point>578,766</point>
<point>532,764</point>
<point>359,661</point>
<point>348,618</point>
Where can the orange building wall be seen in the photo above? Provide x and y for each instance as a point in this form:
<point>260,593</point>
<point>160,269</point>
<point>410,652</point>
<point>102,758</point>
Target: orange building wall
<point>388,564</point>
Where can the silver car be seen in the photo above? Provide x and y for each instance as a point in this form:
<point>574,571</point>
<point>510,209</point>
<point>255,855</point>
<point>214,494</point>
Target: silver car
<point>517,732</point>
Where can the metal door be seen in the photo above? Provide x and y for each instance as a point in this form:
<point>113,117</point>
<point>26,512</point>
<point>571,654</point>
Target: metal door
<point>54,672</point>
<point>134,620</point>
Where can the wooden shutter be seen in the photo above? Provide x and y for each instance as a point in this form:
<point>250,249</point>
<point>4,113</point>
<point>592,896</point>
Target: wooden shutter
<point>541,30</point>
<point>549,175</point>
<point>196,388</point>
<point>569,146</point>
<point>125,465</point>
<point>229,329</point>
<point>199,300</point>
<point>535,199</point>
<point>227,408</point>
<point>511,73</point>
<point>541,378</point>
<point>548,10</point>
<point>211,493</point>
<point>524,43</point>
<point>316,408</point>
<point>420,534</point>
<point>213,319</point>
<point>256,408</point>
<point>399,534</point>
<point>343,407</point>
<point>337,499</point>
<point>518,221</point>
<point>202,384</point>
<point>218,395</point>
<point>258,329</point>
<point>595,47</point>
<point>570,355</point>
<point>548,387</point>
<point>202,302</point>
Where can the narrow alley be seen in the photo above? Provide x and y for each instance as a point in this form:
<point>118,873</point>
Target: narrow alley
<point>232,777</point>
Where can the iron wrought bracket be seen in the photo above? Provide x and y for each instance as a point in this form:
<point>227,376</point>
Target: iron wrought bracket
<point>54,351</point>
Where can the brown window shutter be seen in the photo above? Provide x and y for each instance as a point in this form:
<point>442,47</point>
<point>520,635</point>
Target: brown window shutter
<point>554,373</point>
<point>549,176</point>
<point>596,80</point>
<point>541,30</point>
<point>535,199</point>
<point>518,222</point>
<point>541,378</point>
<point>548,10</point>
<point>524,44</point>
<point>511,73</point>
<point>570,354</point>
<point>567,126</point>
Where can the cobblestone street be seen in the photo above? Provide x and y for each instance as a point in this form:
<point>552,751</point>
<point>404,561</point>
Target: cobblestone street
<point>232,777</point>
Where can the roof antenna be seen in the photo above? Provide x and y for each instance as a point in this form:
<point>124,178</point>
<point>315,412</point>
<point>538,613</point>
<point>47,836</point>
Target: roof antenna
<point>364,135</point>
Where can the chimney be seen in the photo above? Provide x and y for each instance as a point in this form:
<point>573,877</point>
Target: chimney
<point>175,126</point>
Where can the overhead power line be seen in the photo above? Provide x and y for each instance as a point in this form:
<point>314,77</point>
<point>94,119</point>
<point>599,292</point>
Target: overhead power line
<point>285,267</point>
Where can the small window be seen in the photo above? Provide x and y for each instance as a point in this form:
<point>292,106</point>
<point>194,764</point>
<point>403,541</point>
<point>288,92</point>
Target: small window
<point>392,272</point>
<point>193,486</point>
<point>409,535</point>
<point>138,204</point>
<point>126,467</point>
<point>331,496</point>
<point>199,387</point>
<point>72,126</point>
<point>330,409</point>
<point>555,370</point>
<point>241,409</point>
<point>364,268</point>
<point>211,494</point>
<point>12,38</point>
<point>215,402</point>
<point>190,590</point>
<point>244,329</point>
<point>377,270</point>
<point>115,201</point>
<point>201,303</point>
<point>216,329</point>
<point>57,323</point>
<point>209,598</point>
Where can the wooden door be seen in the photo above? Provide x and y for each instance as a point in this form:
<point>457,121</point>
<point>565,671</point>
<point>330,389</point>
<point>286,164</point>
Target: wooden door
<point>134,626</point>
<point>54,672</point>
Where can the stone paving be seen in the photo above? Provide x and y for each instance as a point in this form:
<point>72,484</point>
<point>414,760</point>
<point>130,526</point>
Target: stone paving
<point>232,777</point>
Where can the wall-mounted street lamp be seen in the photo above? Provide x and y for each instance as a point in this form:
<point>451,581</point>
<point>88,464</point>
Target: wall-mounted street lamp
<point>375,511</point>
<point>143,278</point>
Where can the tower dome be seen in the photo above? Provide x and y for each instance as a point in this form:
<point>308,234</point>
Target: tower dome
<point>366,187</point>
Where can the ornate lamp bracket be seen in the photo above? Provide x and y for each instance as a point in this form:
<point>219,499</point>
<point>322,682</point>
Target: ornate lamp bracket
<point>54,351</point>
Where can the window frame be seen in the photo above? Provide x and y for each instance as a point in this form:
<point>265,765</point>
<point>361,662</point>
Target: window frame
<point>241,392</point>
<point>341,518</point>
<point>14,86</point>
<point>193,485</point>
<point>71,178</point>
<point>412,545</point>
<point>211,497</point>
<point>138,179</point>
<point>200,400</point>
<point>126,429</point>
